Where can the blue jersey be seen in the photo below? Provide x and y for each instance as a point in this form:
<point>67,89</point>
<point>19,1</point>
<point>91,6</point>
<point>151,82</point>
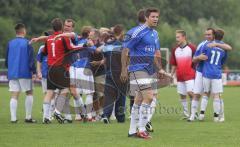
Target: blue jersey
<point>199,52</point>
<point>142,45</point>
<point>20,59</point>
<point>212,67</point>
<point>128,35</point>
<point>112,53</point>
<point>82,56</point>
<point>43,60</point>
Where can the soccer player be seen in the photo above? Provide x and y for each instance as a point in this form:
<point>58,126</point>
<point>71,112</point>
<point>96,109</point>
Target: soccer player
<point>42,69</point>
<point>21,70</point>
<point>57,77</point>
<point>142,47</point>
<point>98,69</point>
<point>115,89</point>
<point>181,61</point>
<point>82,76</point>
<point>141,20</point>
<point>198,84</point>
<point>212,72</point>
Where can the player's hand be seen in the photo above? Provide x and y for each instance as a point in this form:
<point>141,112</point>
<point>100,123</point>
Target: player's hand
<point>211,45</point>
<point>124,75</point>
<point>33,40</point>
<point>95,63</point>
<point>161,73</point>
<point>202,57</point>
<point>90,43</point>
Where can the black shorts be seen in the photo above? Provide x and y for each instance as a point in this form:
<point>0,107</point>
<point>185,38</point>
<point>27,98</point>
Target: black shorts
<point>58,78</point>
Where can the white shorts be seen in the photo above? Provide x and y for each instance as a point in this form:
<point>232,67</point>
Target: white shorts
<point>198,83</point>
<point>184,87</point>
<point>44,85</point>
<point>83,79</point>
<point>18,85</point>
<point>212,85</point>
<point>141,80</point>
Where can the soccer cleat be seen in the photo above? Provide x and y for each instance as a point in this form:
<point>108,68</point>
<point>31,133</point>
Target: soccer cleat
<point>46,121</point>
<point>144,135</point>
<point>191,118</point>
<point>134,135</point>
<point>105,120</point>
<point>185,116</point>
<point>67,121</point>
<point>221,117</point>
<point>201,117</point>
<point>149,127</point>
<point>30,121</point>
<point>14,121</point>
<point>84,118</point>
<point>59,117</point>
<point>216,119</point>
<point>78,117</point>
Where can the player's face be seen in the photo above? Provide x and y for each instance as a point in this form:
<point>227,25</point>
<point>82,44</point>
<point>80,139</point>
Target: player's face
<point>68,27</point>
<point>180,38</point>
<point>209,35</point>
<point>152,20</point>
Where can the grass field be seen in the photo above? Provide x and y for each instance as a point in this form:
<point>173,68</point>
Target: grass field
<point>169,129</point>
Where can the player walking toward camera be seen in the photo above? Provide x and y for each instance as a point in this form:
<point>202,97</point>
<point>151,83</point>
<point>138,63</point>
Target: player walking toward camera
<point>143,47</point>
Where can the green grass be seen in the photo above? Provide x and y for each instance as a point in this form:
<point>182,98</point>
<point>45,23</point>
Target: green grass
<point>169,130</point>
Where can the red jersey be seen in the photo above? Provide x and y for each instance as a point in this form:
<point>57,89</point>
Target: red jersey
<point>181,57</point>
<point>57,50</point>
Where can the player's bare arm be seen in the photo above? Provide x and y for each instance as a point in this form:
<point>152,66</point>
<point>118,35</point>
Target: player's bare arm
<point>69,35</point>
<point>224,46</point>
<point>38,39</point>
<point>199,58</point>
<point>39,70</point>
<point>124,61</point>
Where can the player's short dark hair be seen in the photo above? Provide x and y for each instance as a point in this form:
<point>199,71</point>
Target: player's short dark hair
<point>57,24</point>
<point>219,33</point>
<point>19,27</point>
<point>48,32</point>
<point>141,16</point>
<point>85,31</point>
<point>181,32</point>
<point>72,21</point>
<point>212,29</point>
<point>118,29</point>
<point>150,10</point>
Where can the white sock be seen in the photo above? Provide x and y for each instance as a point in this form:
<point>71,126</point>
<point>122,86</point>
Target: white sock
<point>89,105</point>
<point>152,108</point>
<point>204,103</point>
<point>46,110</point>
<point>194,107</point>
<point>76,105</point>
<point>143,116</point>
<point>216,105</point>
<point>222,108</point>
<point>28,106</point>
<point>184,105</point>
<point>52,107</point>
<point>134,119</point>
<point>13,109</point>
